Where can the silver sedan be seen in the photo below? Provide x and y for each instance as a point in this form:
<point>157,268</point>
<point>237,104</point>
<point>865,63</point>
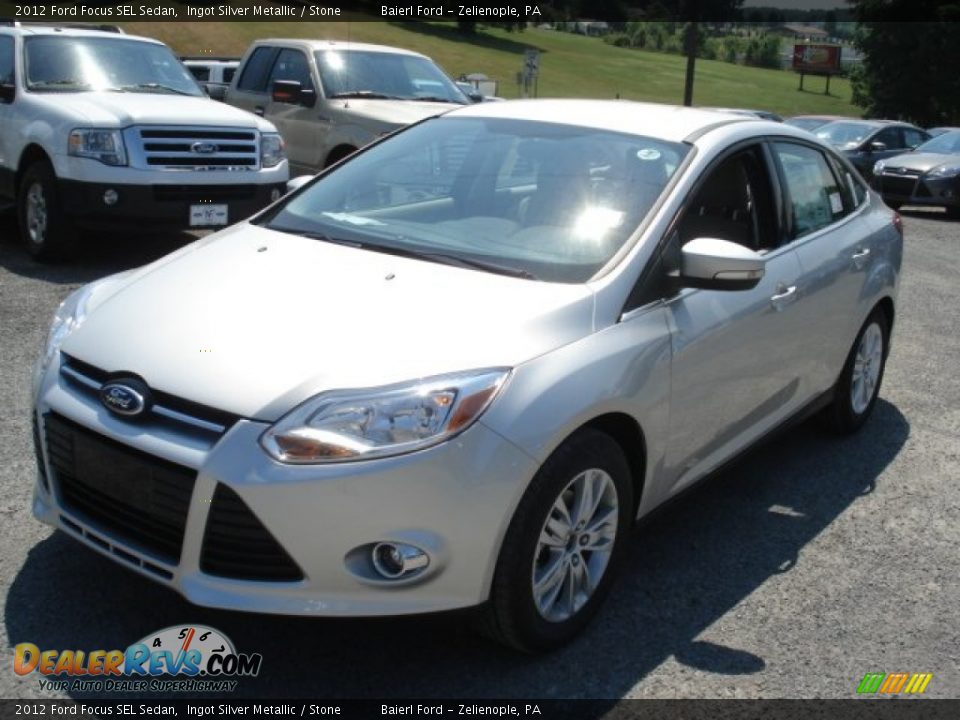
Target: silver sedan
<point>455,369</point>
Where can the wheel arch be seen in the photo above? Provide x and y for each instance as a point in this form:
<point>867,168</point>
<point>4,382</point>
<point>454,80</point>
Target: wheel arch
<point>31,154</point>
<point>338,153</point>
<point>627,433</point>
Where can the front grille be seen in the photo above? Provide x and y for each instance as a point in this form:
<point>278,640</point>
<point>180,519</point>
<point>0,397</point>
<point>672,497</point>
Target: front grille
<point>167,409</point>
<point>200,193</point>
<point>197,148</point>
<point>141,499</point>
<point>237,545</point>
<point>898,185</point>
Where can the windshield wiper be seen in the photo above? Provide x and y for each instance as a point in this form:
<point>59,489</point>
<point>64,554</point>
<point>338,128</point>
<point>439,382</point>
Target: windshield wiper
<point>454,260</point>
<point>434,98</point>
<point>58,83</point>
<point>316,235</point>
<point>437,257</point>
<point>152,86</point>
<point>366,94</point>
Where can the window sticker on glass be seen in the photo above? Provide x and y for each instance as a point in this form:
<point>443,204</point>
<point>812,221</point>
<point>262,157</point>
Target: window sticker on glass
<point>836,203</point>
<point>648,154</point>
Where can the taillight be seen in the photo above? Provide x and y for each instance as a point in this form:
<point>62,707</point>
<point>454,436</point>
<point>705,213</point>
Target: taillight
<point>898,223</point>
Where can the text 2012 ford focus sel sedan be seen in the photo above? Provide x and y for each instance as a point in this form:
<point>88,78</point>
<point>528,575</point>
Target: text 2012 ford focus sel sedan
<point>454,369</point>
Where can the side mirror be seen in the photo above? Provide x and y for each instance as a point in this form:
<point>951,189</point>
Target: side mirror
<point>876,147</point>
<point>8,91</point>
<point>714,264</point>
<point>292,92</point>
<point>298,182</point>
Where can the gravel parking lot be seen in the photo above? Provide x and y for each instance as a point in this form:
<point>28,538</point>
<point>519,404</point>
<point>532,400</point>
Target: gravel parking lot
<point>809,563</point>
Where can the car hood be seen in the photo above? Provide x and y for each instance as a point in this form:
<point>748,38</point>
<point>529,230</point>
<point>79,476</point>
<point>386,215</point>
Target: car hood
<point>393,113</point>
<point>120,110</point>
<point>921,162</point>
<point>253,322</point>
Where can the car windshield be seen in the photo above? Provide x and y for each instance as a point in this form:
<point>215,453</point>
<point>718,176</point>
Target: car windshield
<point>948,143</point>
<point>532,199</point>
<point>75,64</point>
<point>381,75</point>
<point>843,134</point>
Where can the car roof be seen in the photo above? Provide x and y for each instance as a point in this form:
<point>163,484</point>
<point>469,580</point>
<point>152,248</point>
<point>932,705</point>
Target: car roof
<point>338,45</point>
<point>668,122</point>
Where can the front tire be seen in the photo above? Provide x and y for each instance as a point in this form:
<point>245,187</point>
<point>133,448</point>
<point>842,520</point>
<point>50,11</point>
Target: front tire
<point>45,230</point>
<point>563,545</point>
<point>859,384</point>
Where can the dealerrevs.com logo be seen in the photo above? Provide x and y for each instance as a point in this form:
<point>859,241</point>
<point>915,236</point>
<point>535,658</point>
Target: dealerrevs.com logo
<point>182,658</point>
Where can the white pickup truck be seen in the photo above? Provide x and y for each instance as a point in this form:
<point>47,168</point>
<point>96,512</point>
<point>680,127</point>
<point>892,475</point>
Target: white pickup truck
<point>103,131</point>
<point>329,98</point>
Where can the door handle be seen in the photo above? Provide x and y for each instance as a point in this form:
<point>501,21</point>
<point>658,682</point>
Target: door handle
<point>784,296</point>
<point>860,257</point>
<point>258,110</point>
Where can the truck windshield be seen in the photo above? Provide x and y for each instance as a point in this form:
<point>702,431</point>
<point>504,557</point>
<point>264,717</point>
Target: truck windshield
<point>77,64</point>
<point>538,200</point>
<point>381,75</point>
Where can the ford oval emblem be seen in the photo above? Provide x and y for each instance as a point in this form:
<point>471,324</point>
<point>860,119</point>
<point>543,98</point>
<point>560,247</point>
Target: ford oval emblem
<point>129,398</point>
<point>203,148</point>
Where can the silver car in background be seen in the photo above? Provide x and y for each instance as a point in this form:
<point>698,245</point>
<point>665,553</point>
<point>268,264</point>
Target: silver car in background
<point>455,369</point>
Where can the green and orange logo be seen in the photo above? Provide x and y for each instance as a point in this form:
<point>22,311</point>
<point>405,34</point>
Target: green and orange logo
<point>894,683</point>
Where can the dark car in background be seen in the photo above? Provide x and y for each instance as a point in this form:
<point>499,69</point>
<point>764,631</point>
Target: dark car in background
<point>930,175</point>
<point>866,141</point>
<point>812,122</point>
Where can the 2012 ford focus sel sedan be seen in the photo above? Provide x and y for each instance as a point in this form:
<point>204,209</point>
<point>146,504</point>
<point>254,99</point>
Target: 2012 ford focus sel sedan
<point>454,369</point>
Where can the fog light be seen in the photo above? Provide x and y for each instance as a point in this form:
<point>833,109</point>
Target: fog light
<point>397,560</point>
<point>275,194</point>
<point>110,197</point>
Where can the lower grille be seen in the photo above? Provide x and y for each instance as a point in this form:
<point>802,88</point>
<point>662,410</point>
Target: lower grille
<point>237,545</point>
<point>38,453</point>
<point>902,186</point>
<point>139,498</point>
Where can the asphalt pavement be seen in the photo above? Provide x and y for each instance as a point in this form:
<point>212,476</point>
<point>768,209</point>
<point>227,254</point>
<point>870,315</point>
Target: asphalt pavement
<point>810,562</point>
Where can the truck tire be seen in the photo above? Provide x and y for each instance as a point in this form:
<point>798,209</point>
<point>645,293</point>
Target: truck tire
<point>46,231</point>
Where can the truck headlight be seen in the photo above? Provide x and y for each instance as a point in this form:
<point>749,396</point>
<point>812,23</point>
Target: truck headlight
<point>103,145</point>
<point>271,150</point>
<point>345,425</point>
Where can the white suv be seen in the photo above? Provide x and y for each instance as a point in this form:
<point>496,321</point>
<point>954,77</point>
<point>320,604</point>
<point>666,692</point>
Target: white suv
<point>107,131</point>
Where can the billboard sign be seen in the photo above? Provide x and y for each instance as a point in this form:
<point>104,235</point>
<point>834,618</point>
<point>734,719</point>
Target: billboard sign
<point>816,59</point>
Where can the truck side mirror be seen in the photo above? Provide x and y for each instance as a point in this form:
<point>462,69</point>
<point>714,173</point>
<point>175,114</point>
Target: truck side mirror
<point>292,92</point>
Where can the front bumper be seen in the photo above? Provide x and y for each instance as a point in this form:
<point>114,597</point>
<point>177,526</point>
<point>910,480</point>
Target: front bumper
<point>918,189</point>
<point>453,500</point>
<point>160,207</point>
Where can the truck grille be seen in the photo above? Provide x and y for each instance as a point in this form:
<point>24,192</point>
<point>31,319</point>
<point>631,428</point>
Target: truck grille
<point>141,499</point>
<point>901,185</point>
<point>198,148</point>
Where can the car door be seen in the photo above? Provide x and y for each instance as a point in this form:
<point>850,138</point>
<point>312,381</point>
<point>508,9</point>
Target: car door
<point>299,124</point>
<point>826,224</point>
<point>735,371</point>
<point>8,162</point>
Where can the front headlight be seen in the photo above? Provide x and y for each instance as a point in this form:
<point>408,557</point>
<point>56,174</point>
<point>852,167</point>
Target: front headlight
<point>878,167</point>
<point>271,150</point>
<point>347,425</point>
<point>67,318</point>
<point>946,171</point>
<point>103,145</point>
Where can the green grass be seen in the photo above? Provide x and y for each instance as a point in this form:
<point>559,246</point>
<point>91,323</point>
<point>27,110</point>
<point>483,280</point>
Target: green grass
<point>570,65</point>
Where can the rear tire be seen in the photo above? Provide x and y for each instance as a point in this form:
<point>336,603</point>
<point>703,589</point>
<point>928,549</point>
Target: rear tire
<point>953,213</point>
<point>857,389</point>
<point>45,230</point>
<point>563,546</point>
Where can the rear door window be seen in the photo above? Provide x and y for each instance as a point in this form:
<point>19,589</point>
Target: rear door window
<point>813,195</point>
